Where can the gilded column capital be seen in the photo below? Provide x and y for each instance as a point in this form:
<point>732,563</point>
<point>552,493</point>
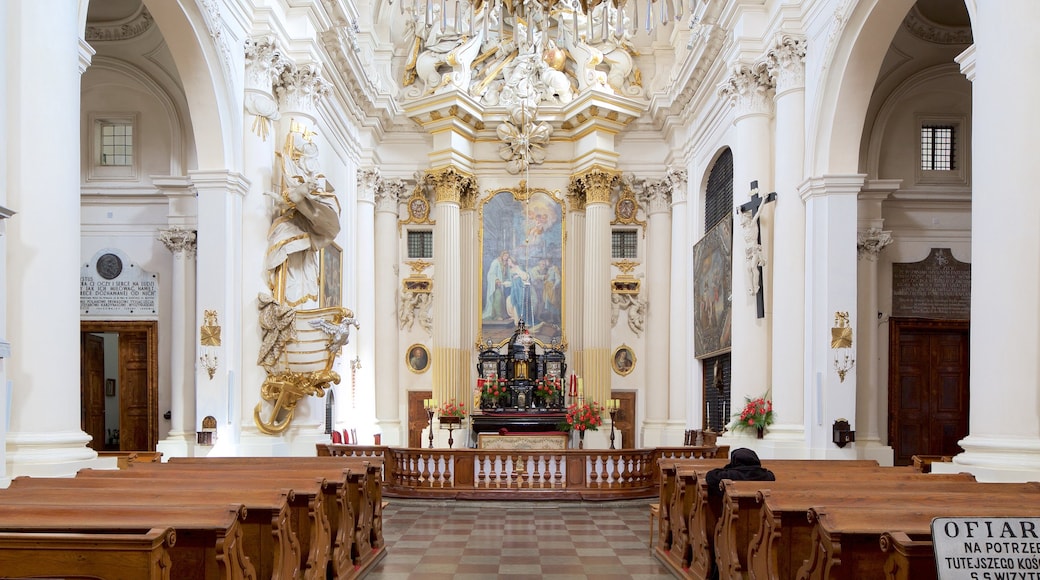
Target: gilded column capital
<point>749,90</point>
<point>451,184</point>
<point>179,241</point>
<point>785,62</point>
<point>575,195</point>
<point>597,183</point>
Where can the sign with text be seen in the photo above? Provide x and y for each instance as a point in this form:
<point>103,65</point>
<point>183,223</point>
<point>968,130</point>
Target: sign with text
<point>937,287</point>
<point>986,548</point>
<point>111,285</point>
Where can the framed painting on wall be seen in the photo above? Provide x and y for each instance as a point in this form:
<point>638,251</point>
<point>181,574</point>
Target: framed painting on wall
<point>712,282</point>
<point>331,276</point>
<point>418,358</point>
<point>521,266</point>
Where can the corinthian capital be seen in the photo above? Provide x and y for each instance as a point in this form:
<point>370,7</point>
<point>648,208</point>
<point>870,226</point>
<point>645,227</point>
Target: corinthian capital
<point>179,241</point>
<point>657,196</point>
<point>870,243</point>
<point>749,90</point>
<point>596,184</point>
<point>451,184</point>
<point>367,183</point>
<point>299,88</point>
<point>786,62</point>
<point>263,63</point>
<point>389,192</point>
<point>677,179</point>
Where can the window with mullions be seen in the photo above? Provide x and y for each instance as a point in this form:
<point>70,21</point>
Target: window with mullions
<point>117,144</point>
<point>937,148</point>
<point>624,245</point>
<point>420,244</point>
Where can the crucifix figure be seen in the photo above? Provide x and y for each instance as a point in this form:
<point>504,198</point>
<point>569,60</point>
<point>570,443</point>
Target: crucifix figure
<point>750,214</point>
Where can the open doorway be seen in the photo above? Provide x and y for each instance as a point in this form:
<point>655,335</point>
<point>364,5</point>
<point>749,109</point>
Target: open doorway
<point>119,384</point>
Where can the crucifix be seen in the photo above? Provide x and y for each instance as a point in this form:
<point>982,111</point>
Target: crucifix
<point>750,213</point>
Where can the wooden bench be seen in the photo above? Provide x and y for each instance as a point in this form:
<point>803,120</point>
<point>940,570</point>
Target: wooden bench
<point>125,458</point>
<point>268,538</point>
<point>740,519</point>
<point>113,556</point>
<point>208,542</point>
<point>846,541</point>
<point>309,518</point>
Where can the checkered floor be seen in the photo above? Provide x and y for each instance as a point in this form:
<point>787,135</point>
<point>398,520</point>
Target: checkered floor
<point>434,539</point>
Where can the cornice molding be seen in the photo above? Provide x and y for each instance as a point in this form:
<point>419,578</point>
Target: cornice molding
<point>123,29</point>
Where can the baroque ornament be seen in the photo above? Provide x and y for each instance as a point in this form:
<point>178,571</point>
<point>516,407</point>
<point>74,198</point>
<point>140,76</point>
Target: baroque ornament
<point>523,142</point>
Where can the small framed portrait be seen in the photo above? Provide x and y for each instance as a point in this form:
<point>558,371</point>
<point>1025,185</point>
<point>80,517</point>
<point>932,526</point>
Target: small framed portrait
<point>417,358</point>
<point>331,276</point>
<point>624,360</point>
<point>110,387</point>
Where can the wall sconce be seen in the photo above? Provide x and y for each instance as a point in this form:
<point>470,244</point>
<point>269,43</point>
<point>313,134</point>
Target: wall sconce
<point>841,344</point>
<point>209,340</point>
<point>842,433</point>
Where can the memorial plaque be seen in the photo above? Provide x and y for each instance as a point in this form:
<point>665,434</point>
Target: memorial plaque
<point>937,287</point>
<point>986,548</point>
<point>111,285</point>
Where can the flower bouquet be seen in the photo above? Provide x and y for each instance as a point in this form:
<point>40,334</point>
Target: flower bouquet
<point>492,390</point>
<point>548,389</point>
<point>582,418</point>
<point>452,412</point>
<point>756,415</point>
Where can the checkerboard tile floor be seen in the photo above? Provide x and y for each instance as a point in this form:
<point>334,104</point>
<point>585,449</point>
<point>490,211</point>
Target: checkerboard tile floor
<point>435,539</point>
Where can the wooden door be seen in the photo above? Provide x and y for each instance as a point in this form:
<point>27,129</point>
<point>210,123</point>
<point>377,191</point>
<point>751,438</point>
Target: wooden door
<point>133,392</point>
<point>417,417</point>
<point>626,418</point>
<point>928,388</point>
<point>92,389</point>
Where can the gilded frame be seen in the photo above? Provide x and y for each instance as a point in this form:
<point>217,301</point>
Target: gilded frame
<point>712,286</point>
<point>330,277</point>
<point>623,360</point>
<point>417,358</point>
<point>527,226</point>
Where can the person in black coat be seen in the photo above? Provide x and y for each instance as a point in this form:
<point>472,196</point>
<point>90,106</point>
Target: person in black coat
<point>744,465</point>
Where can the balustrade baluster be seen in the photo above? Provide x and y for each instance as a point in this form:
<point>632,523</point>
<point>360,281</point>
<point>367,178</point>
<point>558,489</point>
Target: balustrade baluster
<point>449,478</point>
<point>604,480</point>
<point>618,481</point>
<point>480,470</point>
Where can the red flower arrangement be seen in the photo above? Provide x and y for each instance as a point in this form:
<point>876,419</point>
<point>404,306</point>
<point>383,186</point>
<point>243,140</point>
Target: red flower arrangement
<point>493,389</point>
<point>756,415</point>
<point>452,409</point>
<point>585,417</point>
<point>548,388</point>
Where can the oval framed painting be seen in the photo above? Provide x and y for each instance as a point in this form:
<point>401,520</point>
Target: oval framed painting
<point>417,358</point>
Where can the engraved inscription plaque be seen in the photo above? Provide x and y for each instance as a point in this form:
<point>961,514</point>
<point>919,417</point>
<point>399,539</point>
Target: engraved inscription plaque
<point>937,287</point>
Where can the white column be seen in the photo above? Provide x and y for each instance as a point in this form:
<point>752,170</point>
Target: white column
<point>595,302</point>
<point>1003,441</point>
<point>470,304</point>
<point>574,281</point>
<point>830,212</point>
<point>683,379</point>
<point>43,240</point>
<point>219,288</point>
<point>180,440</point>
<point>657,199</point>
<point>260,139</point>
<point>360,407</point>
<point>786,64</point>
<point>871,239</point>
<point>751,95</point>
<point>388,396</point>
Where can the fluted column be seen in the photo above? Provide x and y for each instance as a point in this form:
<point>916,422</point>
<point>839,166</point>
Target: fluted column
<point>470,299</point>
<point>786,65</point>
<point>1003,430</point>
<point>750,92</point>
<point>574,277</point>
<point>450,359</point>
<point>43,238</point>
<point>671,416</point>
<point>181,243</point>
<point>871,239</point>
<point>388,396</point>
<point>683,380</point>
<point>263,64</point>
<point>597,183</point>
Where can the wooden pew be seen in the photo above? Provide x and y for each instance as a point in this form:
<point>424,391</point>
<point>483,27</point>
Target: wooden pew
<point>113,556</point>
<point>740,518</point>
<point>308,507</point>
<point>267,534</point>
<point>208,540</point>
<point>846,541</point>
<point>694,513</point>
<point>666,495</point>
<point>362,497</point>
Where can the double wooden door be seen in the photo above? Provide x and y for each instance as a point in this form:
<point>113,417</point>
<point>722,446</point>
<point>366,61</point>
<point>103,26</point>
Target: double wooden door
<point>928,387</point>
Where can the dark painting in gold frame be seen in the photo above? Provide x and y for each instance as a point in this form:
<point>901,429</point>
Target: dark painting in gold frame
<point>330,288</point>
<point>712,286</point>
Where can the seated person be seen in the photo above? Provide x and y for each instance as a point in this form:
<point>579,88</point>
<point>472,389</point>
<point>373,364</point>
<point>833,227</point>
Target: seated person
<point>743,465</point>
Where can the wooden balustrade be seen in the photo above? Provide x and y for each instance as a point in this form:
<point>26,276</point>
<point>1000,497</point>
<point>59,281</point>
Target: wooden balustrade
<point>591,474</point>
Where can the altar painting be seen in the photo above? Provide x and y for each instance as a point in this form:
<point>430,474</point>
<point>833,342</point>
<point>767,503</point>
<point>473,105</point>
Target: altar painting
<point>712,269</point>
<point>521,243</point>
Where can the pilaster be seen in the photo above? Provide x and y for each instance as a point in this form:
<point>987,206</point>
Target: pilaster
<point>388,194</point>
<point>179,442</point>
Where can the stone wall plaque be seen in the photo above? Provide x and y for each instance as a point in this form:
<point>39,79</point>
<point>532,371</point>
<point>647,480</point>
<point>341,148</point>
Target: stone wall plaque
<point>977,548</point>
<point>111,285</point>
<point>937,287</point>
